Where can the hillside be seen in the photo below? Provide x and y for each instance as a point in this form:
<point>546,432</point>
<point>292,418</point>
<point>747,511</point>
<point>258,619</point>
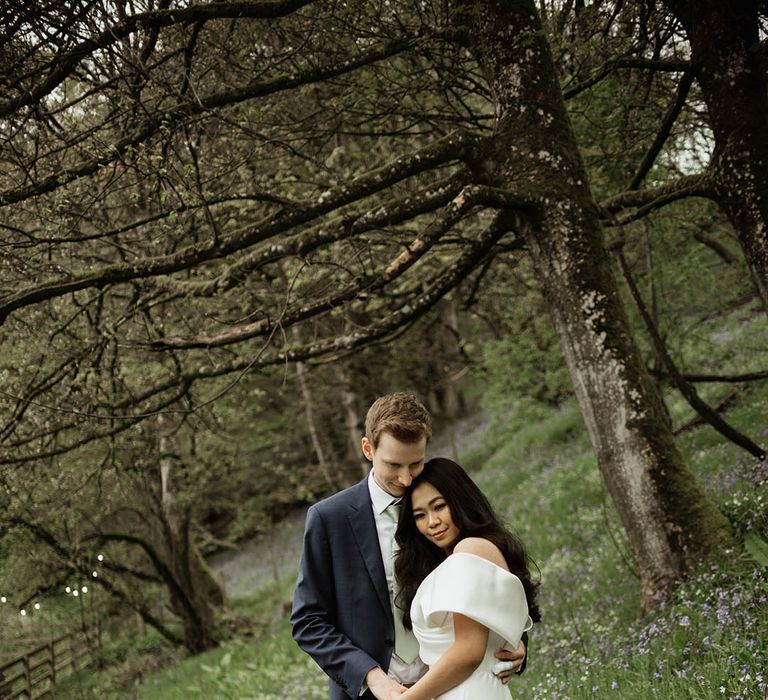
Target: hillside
<point>538,467</point>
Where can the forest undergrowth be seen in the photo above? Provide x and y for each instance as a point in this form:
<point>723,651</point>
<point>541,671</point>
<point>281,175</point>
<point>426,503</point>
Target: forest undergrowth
<point>708,640</point>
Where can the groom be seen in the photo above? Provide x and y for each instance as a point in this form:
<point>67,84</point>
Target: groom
<point>342,608</point>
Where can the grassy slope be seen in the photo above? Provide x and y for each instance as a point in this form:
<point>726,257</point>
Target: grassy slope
<point>711,641</point>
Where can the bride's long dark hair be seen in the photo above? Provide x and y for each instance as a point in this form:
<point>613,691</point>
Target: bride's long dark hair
<point>473,515</point>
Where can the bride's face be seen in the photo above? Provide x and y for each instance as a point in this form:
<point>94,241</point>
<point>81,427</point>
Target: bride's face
<point>433,516</point>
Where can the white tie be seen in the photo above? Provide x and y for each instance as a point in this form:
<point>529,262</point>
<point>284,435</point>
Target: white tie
<point>406,646</point>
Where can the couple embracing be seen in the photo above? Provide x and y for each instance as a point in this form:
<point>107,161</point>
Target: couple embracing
<point>410,587</point>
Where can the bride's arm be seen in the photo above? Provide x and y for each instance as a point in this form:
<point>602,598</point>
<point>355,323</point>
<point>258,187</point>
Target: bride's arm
<point>458,662</point>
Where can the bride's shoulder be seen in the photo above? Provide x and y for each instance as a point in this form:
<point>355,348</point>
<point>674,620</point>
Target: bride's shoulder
<point>483,548</point>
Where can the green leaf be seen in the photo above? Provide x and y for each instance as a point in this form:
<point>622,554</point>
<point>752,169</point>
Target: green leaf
<point>757,548</point>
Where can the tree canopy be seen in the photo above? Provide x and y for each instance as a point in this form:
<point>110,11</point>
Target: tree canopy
<point>199,197</point>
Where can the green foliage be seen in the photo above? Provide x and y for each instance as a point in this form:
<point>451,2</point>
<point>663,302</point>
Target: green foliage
<point>246,668</point>
<point>539,468</point>
<point>251,517</point>
<point>518,366</point>
<point>747,509</point>
<point>736,343</point>
<point>757,548</point>
<point>120,648</point>
<point>710,641</point>
<point>122,659</point>
<point>243,455</point>
<point>252,670</point>
<point>690,291</point>
<point>522,361</point>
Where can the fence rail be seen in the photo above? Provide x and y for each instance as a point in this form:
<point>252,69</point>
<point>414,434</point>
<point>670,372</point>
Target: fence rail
<point>33,675</point>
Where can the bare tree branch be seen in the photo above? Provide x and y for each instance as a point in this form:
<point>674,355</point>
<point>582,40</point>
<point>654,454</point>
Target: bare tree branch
<point>637,63</point>
<point>62,66</point>
<point>445,151</point>
<point>666,129</point>
<point>65,555</point>
<point>684,387</point>
<point>468,198</point>
<point>189,108</point>
<point>725,378</point>
<point>412,309</point>
<point>649,200</point>
<point>388,213</point>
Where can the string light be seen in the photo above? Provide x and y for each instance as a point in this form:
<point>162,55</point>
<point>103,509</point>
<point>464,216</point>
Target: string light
<point>69,590</point>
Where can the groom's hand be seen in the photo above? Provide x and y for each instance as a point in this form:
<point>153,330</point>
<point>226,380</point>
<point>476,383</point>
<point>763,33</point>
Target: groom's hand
<point>510,662</point>
<point>382,686</point>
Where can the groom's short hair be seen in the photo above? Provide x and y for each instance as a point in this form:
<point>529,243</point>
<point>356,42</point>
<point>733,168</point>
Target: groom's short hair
<point>401,415</point>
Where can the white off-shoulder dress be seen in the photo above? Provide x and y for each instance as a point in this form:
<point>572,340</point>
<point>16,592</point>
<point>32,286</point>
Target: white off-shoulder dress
<point>477,588</point>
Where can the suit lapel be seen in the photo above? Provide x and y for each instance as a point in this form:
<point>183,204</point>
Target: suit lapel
<point>364,530</point>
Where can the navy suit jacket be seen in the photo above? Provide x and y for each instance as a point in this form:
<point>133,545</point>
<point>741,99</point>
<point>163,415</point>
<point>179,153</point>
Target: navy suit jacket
<point>341,611</point>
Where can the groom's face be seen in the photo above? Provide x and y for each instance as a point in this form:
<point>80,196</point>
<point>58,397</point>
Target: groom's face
<point>395,463</point>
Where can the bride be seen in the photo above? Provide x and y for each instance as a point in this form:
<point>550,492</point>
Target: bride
<point>464,584</point>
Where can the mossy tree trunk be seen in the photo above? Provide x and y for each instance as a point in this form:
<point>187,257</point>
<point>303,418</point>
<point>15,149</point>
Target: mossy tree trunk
<point>729,64</point>
<point>670,522</point>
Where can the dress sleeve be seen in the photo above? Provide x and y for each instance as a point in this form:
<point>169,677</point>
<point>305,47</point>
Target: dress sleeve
<point>477,588</point>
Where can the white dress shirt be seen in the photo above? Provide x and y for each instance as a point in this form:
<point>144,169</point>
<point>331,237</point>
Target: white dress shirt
<point>385,529</point>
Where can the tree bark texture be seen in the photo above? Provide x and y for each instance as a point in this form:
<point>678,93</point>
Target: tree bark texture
<point>670,522</point>
<point>725,52</point>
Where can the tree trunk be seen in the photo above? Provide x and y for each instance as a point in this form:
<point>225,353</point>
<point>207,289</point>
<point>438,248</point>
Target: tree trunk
<point>353,424</point>
<point>193,590</point>
<point>725,51</point>
<point>314,432</point>
<point>670,522</point>
<point>189,599</point>
<point>453,398</point>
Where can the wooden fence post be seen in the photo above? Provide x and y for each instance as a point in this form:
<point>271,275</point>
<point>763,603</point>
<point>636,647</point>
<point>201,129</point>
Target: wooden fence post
<point>34,662</point>
<point>5,690</point>
<point>53,662</point>
<point>27,677</point>
<point>73,653</point>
